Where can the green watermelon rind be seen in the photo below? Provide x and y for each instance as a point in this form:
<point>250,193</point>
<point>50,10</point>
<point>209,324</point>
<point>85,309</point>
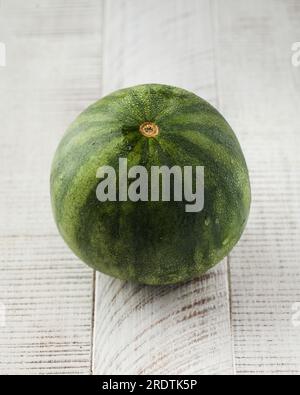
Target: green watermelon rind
<point>152,243</point>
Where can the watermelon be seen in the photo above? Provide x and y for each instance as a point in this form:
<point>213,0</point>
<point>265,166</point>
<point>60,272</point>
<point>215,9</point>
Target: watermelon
<point>150,242</point>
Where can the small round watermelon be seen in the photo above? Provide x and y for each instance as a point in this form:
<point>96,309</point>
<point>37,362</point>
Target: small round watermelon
<point>150,241</point>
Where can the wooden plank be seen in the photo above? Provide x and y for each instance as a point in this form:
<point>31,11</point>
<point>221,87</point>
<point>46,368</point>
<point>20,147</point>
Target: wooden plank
<point>259,92</point>
<point>52,72</point>
<point>47,295</point>
<point>179,329</point>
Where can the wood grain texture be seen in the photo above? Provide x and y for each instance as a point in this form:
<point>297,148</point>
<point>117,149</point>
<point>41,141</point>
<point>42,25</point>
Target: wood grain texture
<point>52,73</point>
<point>260,95</point>
<point>63,55</point>
<point>47,295</point>
<point>160,330</point>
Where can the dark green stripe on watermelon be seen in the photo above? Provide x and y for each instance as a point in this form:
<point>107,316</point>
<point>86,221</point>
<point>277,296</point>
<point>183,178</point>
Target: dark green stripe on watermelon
<point>150,242</point>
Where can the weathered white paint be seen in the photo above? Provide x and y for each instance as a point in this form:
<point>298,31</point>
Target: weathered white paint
<point>186,328</point>
<point>260,94</point>
<point>62,55</point>
<point>52,72</point>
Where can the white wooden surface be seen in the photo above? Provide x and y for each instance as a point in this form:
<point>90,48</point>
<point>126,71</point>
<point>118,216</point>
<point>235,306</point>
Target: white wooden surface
<point>152,328</point>
<point>62,318</point>
<point>260,95</point>
<point>52,72</point>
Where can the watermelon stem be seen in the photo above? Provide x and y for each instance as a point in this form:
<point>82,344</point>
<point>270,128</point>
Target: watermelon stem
<point>149,129</point>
